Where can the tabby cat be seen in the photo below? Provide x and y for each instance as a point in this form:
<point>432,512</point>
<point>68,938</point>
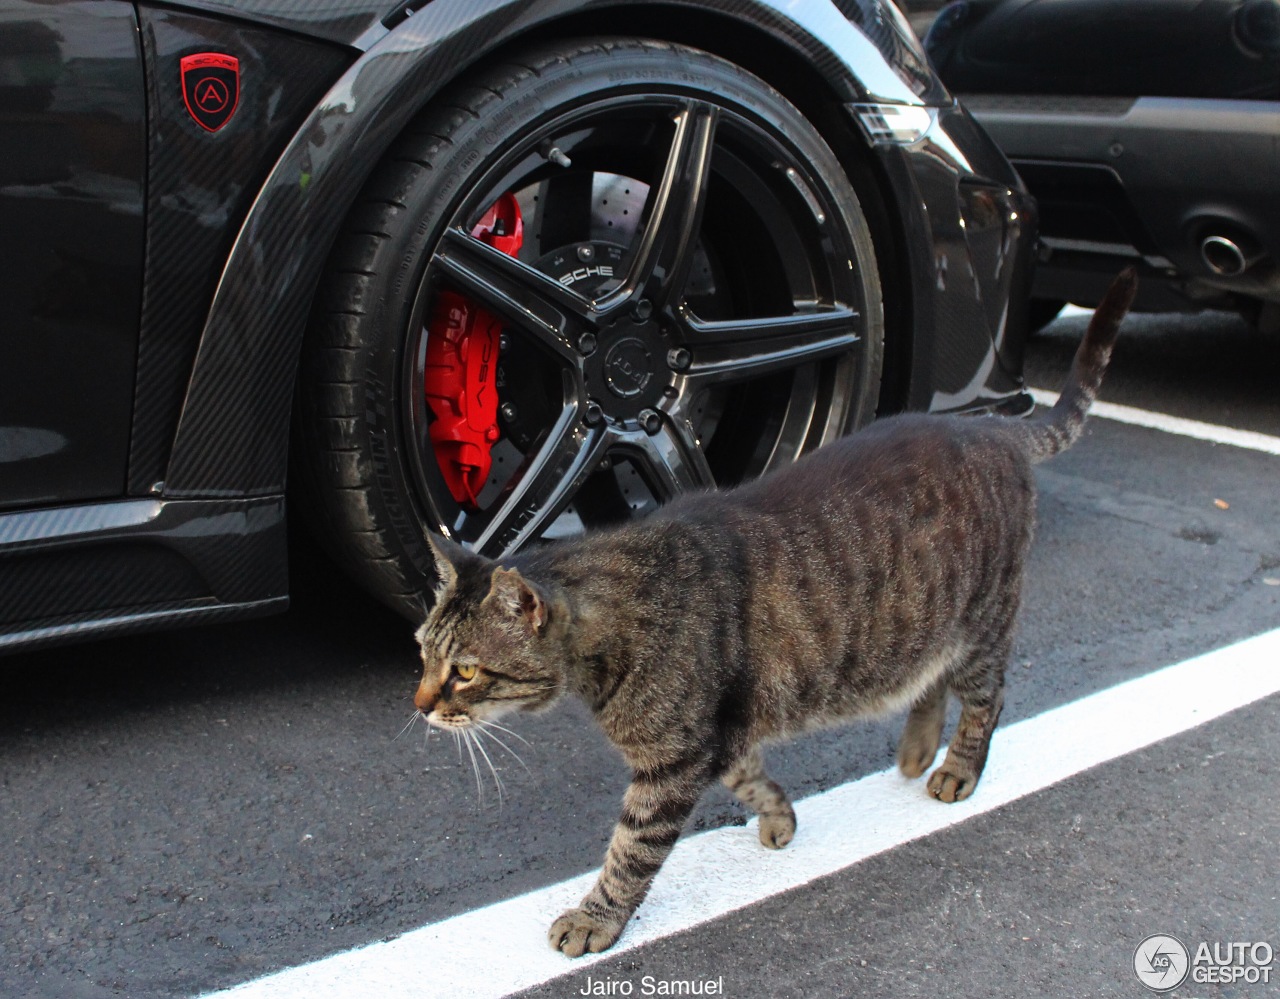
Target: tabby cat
<point>879,572</point>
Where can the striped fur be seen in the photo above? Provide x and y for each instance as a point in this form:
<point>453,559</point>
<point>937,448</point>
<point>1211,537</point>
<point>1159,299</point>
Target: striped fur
<point>1058,429</point>
<point>881,572</point>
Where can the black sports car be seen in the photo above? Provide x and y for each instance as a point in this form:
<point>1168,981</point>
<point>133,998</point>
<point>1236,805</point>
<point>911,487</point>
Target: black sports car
<point>1147,130</point>
<point>499,268</point>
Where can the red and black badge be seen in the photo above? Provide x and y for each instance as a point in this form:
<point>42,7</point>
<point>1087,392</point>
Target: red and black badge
<point>211,88</point>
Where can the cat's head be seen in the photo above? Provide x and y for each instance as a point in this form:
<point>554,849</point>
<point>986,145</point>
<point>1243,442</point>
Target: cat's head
<point>488,645</point>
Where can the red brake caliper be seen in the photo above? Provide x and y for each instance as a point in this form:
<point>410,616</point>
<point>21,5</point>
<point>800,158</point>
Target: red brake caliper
<point>461,379</point>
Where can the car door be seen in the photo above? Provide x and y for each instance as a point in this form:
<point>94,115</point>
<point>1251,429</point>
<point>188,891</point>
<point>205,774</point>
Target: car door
<point>72,166</point>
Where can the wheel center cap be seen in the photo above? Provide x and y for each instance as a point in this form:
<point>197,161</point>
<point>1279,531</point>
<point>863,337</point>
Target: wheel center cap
<point>628,373</point>
<point>628,367</point>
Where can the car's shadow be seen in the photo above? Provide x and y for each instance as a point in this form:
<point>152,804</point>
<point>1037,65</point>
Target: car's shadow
<point>1212,368</point>
<point>331,624</point>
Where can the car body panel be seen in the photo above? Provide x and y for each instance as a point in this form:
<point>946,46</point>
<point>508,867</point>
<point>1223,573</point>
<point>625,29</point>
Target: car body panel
<point>1145,181</point>
<point>71,209</point>
<point>200,185</point>
<point>240,221</point>
<point>1110,48</point>
<point>983,228</point>
<point>343,22</point>
<point>1144,128</point>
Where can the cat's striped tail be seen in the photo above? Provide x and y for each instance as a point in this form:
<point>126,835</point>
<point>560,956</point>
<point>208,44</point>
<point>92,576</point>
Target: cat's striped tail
<point>1048,433</point>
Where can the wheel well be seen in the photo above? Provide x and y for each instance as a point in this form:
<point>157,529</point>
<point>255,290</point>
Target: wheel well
<point>788,72</point>
<point>359,370</point>
<point>803,86</point>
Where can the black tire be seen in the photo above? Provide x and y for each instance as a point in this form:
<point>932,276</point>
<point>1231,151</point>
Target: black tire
<point>745,327</point>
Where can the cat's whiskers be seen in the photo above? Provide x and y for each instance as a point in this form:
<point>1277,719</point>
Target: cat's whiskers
<point>475,766</point>
<point>474,734</point>
<point>487,727</point>
<point>488,723</point>
<point>409,724</point>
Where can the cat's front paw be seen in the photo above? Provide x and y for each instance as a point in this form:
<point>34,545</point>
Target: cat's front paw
<point>951,786</point>
<point>777,830</point>
<point>915,755</point>
<point>579,931</point>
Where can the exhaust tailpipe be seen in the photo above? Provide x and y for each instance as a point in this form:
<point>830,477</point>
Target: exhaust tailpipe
<point>1226,257</point>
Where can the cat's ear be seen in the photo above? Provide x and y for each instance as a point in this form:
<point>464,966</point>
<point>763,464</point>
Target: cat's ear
<point>518,599</point>
<point>449,557</point>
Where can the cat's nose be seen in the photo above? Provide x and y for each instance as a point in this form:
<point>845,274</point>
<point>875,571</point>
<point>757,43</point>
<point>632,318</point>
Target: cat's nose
<point>425,698</point>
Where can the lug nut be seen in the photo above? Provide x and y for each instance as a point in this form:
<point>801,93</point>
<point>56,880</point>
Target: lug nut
<point>586,253</point>
<point>587,344</point>
<point>679,358</point>
<point>504,342</point>
<point>651,421</point>
<point>508,411</point>
<point>594,414</point>
<point>642,310</point>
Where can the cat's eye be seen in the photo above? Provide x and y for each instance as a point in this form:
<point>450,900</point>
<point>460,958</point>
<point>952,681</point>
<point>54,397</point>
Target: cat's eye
<point>465,671</point>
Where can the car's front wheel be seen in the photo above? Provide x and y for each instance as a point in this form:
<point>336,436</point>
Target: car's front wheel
<point>580,284</point>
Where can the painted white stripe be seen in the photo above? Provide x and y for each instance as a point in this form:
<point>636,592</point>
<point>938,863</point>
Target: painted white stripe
<point>1172,424</point>
<point>500,949</point>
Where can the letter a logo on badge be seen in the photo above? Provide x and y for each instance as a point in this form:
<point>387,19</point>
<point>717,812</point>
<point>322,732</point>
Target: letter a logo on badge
<point>211,88</point>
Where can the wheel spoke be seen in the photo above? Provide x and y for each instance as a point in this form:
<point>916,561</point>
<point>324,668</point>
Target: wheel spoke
<point>548,483</point>
<point>743,349</point>
<point>671,461</point>
<point>663,256</point>
<point>529,299</point>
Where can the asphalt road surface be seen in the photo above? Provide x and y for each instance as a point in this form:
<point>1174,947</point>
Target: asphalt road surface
<point>186,811</point>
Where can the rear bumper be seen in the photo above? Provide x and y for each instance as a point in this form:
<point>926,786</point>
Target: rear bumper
<point>1146,180</point>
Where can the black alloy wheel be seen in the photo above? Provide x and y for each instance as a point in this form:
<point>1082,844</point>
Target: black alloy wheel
<point>692,300</point>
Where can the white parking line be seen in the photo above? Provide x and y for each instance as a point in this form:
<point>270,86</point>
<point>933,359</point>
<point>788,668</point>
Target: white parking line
<point>502,948</point>
<point>1172,424</point>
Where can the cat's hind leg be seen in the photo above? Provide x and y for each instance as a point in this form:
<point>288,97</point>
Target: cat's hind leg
<point>753,787</point>
<point>980,686</point>
<point>923,732</point>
